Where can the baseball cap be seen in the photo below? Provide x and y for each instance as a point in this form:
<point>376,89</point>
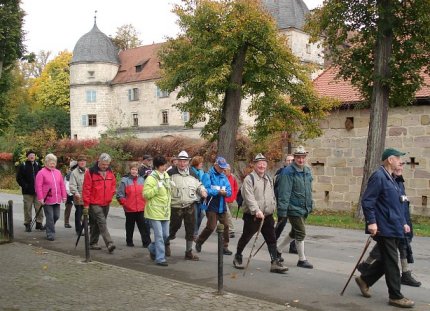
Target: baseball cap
<point>391,152</point>
<point>221,162</point>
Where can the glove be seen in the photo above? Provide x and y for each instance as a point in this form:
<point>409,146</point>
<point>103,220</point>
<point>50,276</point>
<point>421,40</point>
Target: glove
<point>85,211</point>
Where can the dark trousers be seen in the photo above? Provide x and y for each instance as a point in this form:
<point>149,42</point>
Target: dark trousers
<point>280,225</point>
<point>176,216</point>
<point>211,225</point>
<point>132,218</point>
<point>79,209</point>
<point>388,265</point>
<point>250,227</point>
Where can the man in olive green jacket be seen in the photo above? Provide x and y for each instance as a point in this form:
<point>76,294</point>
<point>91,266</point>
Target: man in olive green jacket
<point>293,191</point>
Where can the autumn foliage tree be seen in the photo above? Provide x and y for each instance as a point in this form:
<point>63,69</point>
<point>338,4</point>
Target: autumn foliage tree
<point>126,37</point>
<point>231,50</point>
<point>52,87</point>
<point>382,47</point>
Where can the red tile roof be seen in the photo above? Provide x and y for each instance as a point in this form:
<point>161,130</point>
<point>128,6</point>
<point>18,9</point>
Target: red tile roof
<point>326,85</point>
<point>146,56</point>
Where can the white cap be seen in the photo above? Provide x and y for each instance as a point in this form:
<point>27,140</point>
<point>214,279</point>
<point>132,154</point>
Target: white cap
<point>183,155</point>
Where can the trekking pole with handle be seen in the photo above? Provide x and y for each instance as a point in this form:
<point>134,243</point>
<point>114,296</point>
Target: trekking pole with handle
<point>253,245</point>
<point>40,208</point>
<point>358,262</point>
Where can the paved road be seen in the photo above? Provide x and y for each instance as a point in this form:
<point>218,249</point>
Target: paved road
<point>332,251</point>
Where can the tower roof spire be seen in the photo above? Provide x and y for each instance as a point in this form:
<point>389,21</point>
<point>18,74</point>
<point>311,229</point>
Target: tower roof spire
<point>95,17</point>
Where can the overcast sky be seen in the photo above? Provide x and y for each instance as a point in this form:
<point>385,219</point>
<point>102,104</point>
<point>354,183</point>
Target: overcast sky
<point>56,25</point>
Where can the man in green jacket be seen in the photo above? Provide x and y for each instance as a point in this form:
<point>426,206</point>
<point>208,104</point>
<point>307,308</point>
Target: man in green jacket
<point>293,191</point>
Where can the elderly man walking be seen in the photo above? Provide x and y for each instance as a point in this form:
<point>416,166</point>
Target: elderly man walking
<point>186,191</point>
<point>294,197</point>
<point>26,177</point>
<point>98,189</point>
<point>383,210</point>
<point>218,189</point>
<point>258,206</point>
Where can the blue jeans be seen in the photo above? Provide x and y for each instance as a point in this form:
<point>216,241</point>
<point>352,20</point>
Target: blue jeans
<point>52,214</point>
<point>161,233</point>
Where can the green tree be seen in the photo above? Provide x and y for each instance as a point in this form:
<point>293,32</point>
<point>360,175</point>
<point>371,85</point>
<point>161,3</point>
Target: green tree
<point>126,37</point>
<point>11,33</point>
<point>230,50</point>
<point>52,88</point>
<point>381,46</point>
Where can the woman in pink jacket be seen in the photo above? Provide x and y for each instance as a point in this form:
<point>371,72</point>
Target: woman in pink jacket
<point>50,191</point>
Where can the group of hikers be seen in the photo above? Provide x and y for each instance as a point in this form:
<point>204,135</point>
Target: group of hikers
<point>159,197</point>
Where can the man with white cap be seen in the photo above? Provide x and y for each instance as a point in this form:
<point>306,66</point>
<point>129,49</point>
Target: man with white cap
<point>259,204</point>
<point>294,198</point>
<point>186,190</point>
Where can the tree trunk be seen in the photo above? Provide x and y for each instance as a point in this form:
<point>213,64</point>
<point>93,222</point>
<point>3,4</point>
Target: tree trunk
<point>380,96</point>
<point>231,108</point>
<point>1,67</point>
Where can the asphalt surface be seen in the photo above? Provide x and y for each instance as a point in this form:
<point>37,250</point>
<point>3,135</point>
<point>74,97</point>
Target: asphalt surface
<point>128,277</point>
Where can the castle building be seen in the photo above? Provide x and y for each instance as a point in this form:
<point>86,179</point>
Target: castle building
<point>117,91</point>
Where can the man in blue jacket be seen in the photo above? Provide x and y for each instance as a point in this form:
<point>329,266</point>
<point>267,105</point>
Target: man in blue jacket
<point>382,204</point>
<point>218,188</point>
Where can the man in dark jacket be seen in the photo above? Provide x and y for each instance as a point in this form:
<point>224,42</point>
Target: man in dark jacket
<point>382,204</point>
<point>293,191</point>
<point>25,177</point>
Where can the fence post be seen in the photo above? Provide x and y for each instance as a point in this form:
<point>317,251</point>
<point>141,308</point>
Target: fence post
<point>220,231</point>
<point>10,219</point>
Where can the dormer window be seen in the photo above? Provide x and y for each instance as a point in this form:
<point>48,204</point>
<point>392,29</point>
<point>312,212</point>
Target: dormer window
<point>140,65</point>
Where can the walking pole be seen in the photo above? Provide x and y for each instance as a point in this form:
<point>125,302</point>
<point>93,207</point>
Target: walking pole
<point>38,211</point>
<point>369,239</point>
<point>253,245</point>
<point>262,244</point>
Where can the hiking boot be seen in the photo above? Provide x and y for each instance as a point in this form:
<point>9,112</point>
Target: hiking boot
<point>167,250</point>
<point>293,249</point>
<point>198,247</point>
<point>408,279</point>
<point>232,235</point>
<point>40,226</point>
<point>27,228</point>
<point>237,261</point>
<point>304,264</point>
<point>68,226</point>
<point>279,256</point>
<point>95,247</point>
<point>152,255</point>
<point>50,238</point>
<point>277,267</point>
<point>401,303</point>
<point>226,251</point>
<point>363,287</point>
<point>363,266</point>
<point>130,244</point>
<point>190,256</point>
<point>163,264</point>
<point>111,248</point>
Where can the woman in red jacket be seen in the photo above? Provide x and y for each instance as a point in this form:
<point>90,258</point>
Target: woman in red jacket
<point>130,196</point>
<point>231,199</point>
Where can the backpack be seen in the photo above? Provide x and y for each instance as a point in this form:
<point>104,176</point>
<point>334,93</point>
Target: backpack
<point>239,197</point>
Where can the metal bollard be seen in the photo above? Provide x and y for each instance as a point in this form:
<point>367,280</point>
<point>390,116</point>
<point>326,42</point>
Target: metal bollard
<point>220,231</point>
<point>87,239</point>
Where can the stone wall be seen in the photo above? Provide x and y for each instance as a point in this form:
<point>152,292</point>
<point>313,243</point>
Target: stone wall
<point>337,157</point>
